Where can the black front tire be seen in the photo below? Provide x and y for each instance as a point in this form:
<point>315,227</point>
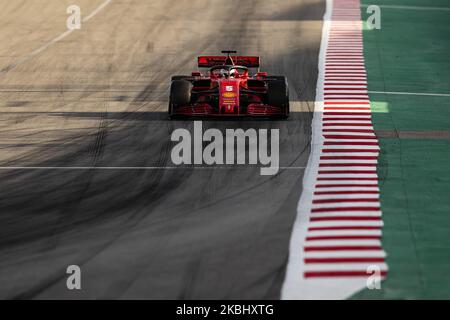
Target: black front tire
<point>180,95</point>
<point>278,95</point>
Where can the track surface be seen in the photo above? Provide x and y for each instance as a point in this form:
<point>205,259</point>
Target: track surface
<point>98,98</point>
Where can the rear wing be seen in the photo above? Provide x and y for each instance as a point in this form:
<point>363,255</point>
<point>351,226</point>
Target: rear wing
<point>211,61</point>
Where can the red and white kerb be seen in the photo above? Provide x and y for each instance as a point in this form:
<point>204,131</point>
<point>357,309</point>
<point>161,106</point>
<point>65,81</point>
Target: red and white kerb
<point>336,241</point>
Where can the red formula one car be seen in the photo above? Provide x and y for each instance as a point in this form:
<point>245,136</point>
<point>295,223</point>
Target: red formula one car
<point>228,89</point>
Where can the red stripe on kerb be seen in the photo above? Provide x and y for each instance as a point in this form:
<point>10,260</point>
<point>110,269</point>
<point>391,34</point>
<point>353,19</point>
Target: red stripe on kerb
<point>344,94</point>
<point>341,248</point>
<point>334,78</point>
<point>329,73</point>
<point>343,260</point>
<point>358,59</point>
<point>351,143</point>
<point>320,238</point>
<point>345,218</point>
<point>344,88</point>
<point>348,158</point>
<point>347,172</point>
<point>344,66</point>
<point>339,31</point>
<point>347,67</point>
<point>346,108</point>
<point>353,69</point>
<point>357,49</point>
<point>332,75</point>
<point>355,46</point>
<point>364,123</point>
<point>345,209</point>
<point>346,98</point>
<point>345,78</point>
<point>346,114</point>
<point>346,36</point>
<point>336,274</point>
<point>353,164</point>
<point>348,137</point>
<point>357,38</point>
<point>363,120</point>
<point>329,107</point>
<point>349,56</point>
<point>346,102</point>
<point>342,56</point>
<point>349,130</point>
<point>347,179</point>
<point>350,94</point>
<point>344,32</point>
<point>344,228</point>
<point>338,39</point>
<point>324,193</point>
<point>346,83</point>
<point>350,40</point>
<point>322,201</point>
<point>346,185</point>
<point>350,150</point>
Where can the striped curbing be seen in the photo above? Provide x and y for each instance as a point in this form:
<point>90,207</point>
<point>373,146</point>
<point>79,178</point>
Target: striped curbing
<point>337,235</point>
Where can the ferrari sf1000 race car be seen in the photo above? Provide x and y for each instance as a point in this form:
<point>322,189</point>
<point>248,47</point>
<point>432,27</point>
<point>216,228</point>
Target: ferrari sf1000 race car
<point>228,89</point>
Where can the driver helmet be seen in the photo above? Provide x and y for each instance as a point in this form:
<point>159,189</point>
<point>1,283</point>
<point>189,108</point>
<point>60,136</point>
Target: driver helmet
<point>234,73</point>
<point>223,73</point>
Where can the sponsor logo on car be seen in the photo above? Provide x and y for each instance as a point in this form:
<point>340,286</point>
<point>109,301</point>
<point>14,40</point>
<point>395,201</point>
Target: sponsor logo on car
<point>228,95</point>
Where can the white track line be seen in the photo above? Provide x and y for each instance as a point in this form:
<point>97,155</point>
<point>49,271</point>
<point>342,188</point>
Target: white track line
<point>293,282</point>
<point>388,6</point>
<point>97,10</point>
<point>412,93</point>
<point>53,41</point>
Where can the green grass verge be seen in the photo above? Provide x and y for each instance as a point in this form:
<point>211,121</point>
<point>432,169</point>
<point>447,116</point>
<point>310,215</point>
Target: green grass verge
<point>411,53</point>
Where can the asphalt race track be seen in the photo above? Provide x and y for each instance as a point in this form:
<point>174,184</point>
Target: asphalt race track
<point>98,98</point>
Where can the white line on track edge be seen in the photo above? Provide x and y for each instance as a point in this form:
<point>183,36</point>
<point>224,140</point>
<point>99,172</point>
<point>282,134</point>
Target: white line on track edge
<point>292,285</point>
<point>411,93</point>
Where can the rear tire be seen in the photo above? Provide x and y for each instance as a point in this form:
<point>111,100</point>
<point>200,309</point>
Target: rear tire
<point>179,77</point>
<point>278,95</point>
<point>180,95</point>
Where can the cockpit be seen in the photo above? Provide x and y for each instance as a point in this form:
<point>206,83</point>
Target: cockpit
<point>225,71</point>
